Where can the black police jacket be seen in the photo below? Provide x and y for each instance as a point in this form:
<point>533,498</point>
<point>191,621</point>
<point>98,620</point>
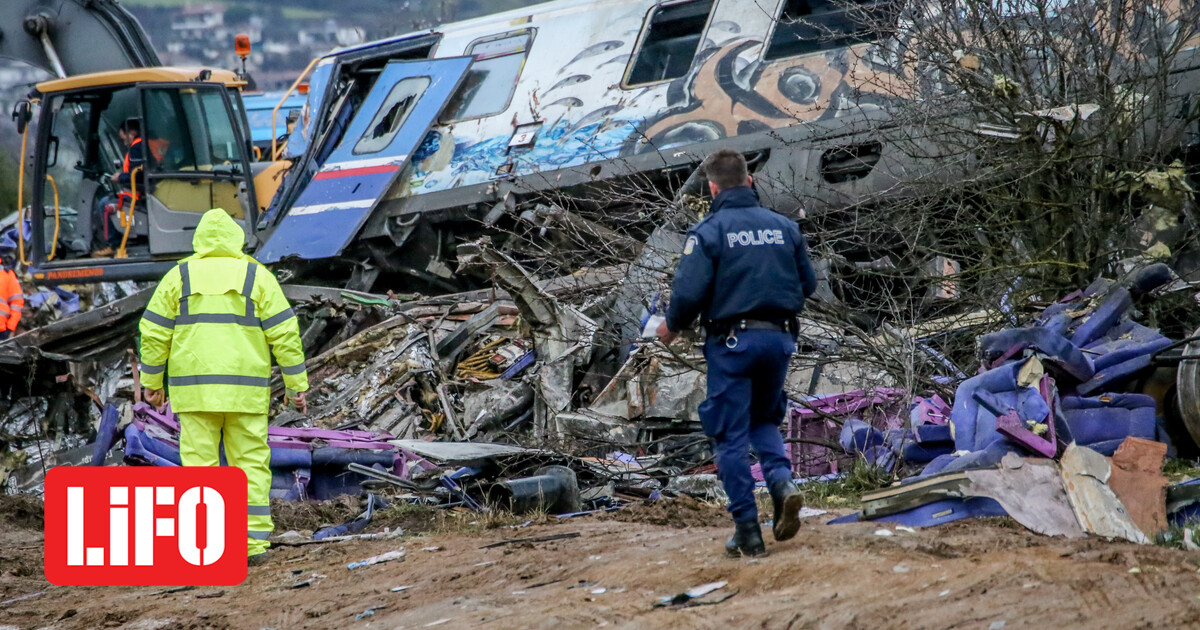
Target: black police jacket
<point>742,261</point>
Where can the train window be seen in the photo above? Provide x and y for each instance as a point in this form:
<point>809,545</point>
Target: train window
<point>808,26</point>
<point>391,115</point>
<point>670,42</point>
<point>492,78</point>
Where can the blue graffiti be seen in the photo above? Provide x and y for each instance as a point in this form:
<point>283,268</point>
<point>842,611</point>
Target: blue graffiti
<point>559,146</point>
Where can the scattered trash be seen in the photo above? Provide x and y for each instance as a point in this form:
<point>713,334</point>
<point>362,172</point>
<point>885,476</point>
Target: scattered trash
<point>692,596</point>
<point>386,557</point>
<point>22,598</point>
<point>531,540</point>
<point>400,589</point>
<point>177,589</point>
<point>438,622</point>
<point>1097,507</point>
<point>552,489</point>
<point>599,591</point>
<point>884,532</point>
<point>212,595</point>
<point>807,512</point>
<point>1138,482</point>
<point>900,568</point>
<point>370,612</point>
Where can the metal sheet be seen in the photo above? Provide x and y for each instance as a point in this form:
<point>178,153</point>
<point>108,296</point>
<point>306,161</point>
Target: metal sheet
<point>82,335</point>
<point>1085,476</point>
<point>459,451</point>
<point>347,189</point>
<point>1031,491</point>
<point>1188,385</point>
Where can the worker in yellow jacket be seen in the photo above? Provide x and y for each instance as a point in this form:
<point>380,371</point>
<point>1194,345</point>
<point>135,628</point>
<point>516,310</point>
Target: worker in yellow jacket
<point>210,327</point>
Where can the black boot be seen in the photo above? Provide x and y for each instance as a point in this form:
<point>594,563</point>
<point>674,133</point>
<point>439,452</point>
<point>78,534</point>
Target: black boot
<point>746,541</point>
<point>787,510</point>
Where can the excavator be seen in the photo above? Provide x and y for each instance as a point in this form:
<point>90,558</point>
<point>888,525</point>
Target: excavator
<point>106,72</point>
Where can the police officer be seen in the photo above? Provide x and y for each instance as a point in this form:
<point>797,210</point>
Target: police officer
<point>745,272</point>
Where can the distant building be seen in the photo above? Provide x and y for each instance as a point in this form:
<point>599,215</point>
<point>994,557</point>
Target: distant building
<point>200,21</point>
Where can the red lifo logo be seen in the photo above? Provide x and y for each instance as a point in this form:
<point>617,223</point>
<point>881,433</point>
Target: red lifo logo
<point>140,526</point>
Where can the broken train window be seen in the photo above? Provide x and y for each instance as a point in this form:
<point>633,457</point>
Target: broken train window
<point>391,115</point>
<point>669,43</point>
<point>492,78</point>
<point>808,26</point>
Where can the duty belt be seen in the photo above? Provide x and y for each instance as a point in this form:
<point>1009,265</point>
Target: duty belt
<point>732,327</point>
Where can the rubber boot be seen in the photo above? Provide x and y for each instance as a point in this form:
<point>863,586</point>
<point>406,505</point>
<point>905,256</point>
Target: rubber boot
<point>746,541</point>
<point>258,559</point>
<point>787,510</point>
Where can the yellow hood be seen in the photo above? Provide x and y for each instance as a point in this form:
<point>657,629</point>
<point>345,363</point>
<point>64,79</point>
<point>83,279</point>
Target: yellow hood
<point>218,235</point>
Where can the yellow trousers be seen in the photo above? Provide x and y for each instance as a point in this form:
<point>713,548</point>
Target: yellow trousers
<point>245,436</point>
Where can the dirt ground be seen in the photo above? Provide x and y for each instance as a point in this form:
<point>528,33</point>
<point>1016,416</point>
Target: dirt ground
<point>973,574</point>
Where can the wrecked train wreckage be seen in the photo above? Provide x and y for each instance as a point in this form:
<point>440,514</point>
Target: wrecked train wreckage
<point>554,364</point>
<point>477,399</point>
<point>409,146</point>
<point>389,373</point>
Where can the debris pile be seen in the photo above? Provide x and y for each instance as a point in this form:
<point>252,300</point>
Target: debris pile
<point>1030,435</point>
<point>543,395</point>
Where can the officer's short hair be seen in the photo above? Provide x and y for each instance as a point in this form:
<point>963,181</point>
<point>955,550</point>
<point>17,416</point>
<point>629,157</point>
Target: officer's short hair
<point>132,125</point>
<point>726,168</point>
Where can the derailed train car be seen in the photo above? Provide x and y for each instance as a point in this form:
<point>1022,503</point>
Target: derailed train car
<point>406,143</point>
<point>408,146</point>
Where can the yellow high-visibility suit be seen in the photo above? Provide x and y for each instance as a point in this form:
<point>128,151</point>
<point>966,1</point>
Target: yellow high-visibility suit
<point>213,320</point>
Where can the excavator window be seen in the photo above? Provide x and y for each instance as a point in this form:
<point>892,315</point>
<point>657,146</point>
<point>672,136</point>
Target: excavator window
<point>671,39</point>
<point>809,26</point>
<point>192,129</point>
<point>80,155</point>
<point>197,160</point>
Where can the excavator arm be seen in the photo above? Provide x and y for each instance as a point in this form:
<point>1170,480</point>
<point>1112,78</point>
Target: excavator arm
<point>70,37</point>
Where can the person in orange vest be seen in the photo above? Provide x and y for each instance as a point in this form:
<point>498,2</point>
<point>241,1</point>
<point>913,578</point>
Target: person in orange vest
<point>130,134</point>
<point>12,299</point>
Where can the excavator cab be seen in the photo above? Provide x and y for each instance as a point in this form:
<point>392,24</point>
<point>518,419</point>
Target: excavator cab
<point>86,222</point>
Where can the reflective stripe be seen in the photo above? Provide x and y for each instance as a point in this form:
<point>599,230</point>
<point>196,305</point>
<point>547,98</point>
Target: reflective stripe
<point>186,291</point>
<point>219,379</point>
<point>259,510</point>
<point>258,535</point>
<point>292,370</point>
<point>278,318</point>
<point>146,368</point>
<point>248,289</point>
<point>186,318</point>
<point>155,318</point>
<point>16,296</point>
<point>217,318</point>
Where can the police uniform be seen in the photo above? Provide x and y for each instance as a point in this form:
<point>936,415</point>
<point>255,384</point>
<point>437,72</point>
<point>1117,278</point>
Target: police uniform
<point>745,271</point>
